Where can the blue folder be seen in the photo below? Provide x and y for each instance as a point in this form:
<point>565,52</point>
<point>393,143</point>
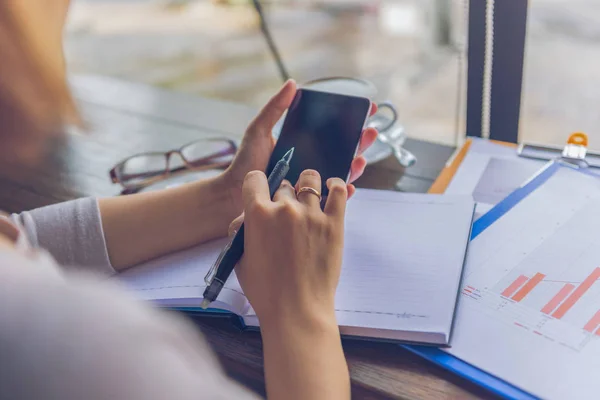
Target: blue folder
<point>456,365</point>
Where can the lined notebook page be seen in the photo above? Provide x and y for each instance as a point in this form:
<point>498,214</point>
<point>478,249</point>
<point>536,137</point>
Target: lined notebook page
<point>403,260</point>
<point>177,280</point>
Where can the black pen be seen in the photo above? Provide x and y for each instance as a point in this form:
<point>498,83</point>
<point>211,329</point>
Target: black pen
<point>232,253</point>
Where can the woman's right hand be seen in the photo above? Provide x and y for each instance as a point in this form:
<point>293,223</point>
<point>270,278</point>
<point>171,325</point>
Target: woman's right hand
<point>293,249</point>
<point>289,273</point>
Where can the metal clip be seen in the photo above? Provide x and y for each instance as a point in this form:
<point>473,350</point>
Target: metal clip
<point>576,148</point>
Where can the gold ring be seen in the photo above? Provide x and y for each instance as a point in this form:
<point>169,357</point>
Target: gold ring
<point>310,190</point>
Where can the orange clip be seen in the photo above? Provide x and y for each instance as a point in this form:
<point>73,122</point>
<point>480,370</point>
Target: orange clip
<point>576,147</point>
<point>579,139</point>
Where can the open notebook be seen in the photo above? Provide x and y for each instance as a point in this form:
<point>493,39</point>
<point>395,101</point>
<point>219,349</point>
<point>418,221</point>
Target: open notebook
<point>403,260</point>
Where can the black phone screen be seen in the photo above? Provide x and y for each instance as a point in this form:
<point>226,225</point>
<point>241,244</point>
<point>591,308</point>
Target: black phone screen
<point>324,129</point>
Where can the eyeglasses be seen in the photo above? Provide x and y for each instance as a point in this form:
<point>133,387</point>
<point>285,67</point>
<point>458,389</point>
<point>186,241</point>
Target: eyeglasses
<point>144,169</point>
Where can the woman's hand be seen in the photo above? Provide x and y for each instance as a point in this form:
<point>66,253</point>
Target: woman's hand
<point>293,249</point>
<point>289,273</point>
<point>258,143</point>
<point>147,225</point>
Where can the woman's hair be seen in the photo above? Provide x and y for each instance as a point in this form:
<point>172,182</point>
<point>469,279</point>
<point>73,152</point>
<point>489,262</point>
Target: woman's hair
<point>34,97</point>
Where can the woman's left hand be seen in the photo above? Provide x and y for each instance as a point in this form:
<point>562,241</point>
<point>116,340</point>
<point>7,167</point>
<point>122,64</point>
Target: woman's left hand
<point>258,143</point>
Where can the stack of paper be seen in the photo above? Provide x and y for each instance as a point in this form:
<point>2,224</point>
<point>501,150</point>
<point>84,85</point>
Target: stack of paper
<point>528,319</point>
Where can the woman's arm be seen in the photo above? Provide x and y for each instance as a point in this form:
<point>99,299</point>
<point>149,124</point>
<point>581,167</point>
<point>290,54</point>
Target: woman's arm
<point>289,272</point>
<point>124,231</point>
<point>144,226</point>
<point>304,359</point>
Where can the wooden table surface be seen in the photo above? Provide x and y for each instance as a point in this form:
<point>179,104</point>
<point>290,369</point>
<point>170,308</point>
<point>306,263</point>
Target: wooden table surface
<point>125,118</point>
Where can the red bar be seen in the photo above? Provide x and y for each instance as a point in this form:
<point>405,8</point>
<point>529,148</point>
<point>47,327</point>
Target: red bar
<point>577,293</point>
<point>514,286</point>
<point>593,323</point>
<point>560,296</point>
<point>528,287</point>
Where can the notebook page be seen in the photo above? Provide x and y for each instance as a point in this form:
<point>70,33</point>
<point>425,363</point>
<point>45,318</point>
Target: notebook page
<point>403,260</point>
<point>177,280</point>
<point>402,263</point>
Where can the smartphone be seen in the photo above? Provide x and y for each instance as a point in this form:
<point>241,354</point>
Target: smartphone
<point>325,130</point>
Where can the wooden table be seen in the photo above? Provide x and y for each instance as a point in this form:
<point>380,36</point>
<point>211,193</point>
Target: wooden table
<point>126,118</point>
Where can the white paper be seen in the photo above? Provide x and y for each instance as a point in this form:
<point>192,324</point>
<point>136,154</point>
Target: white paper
<point>403,259</point>
<point>177,280</point>
<point>490,172</point>
<point>554,231</point>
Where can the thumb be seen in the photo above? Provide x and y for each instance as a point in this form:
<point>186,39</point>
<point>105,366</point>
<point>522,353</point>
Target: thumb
<point>234,227</point>
<point>271,113</point>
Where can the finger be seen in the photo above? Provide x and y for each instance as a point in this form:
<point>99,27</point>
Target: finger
<point>285,191</point>
<point>234,227</point>
<point>357,168</point>
<point>336,199</point>
<point>309,179</point>
<point>255,189</point>
<point>373,109</point>
<point>367,139</point>
<point>351,190</point>
<point>271,113</point>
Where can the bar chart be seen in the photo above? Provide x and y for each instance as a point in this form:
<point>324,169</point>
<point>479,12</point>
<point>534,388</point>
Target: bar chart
<point>561,302</point>
<point>529,310</point>
<point>554,296</point>
<point>542,279</point>
<point>577,294</point>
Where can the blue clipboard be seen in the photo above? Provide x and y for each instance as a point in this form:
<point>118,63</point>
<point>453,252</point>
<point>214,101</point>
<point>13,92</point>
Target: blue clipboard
<point>445,360</point>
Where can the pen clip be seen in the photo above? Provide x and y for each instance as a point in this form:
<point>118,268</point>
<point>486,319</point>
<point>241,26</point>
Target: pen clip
<point>213,269</point>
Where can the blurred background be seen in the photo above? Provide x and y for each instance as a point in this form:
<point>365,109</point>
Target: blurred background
<point>412,50</point>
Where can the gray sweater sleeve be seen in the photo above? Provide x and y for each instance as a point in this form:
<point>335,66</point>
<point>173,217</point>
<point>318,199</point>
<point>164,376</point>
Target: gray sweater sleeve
<point>67,335</point>
<point>71,232</point>
<point>70,336</point>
